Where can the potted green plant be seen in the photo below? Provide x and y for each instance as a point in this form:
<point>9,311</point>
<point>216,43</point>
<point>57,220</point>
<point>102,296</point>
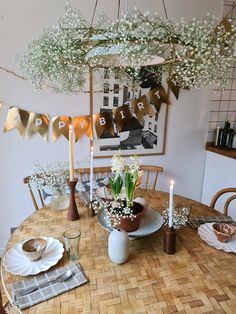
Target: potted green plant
<point>123,213</point>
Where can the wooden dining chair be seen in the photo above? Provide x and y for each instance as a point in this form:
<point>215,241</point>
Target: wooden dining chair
<point>82,173</point>
<point>7,308</point>
<point>228,200</point>
<point>33,192</point>
<point>98,173</point>
<point>149,176</point>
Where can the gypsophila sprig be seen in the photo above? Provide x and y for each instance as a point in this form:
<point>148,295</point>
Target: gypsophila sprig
<point>179,214</point>
<point>196,53</point>
<point>52,174</point>
<point>114,211</point>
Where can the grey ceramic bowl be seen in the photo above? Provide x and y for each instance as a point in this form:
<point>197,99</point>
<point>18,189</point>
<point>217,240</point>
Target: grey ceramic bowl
<point>34,248</point>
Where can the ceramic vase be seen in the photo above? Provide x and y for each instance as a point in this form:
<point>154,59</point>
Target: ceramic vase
<point>118,246</point>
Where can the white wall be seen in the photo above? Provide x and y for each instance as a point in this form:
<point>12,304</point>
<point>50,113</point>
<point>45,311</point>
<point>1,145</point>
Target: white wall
<point>23,20</point>
<point>220,173</point>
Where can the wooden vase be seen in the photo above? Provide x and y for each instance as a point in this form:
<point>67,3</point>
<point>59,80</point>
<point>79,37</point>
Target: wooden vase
<point>169,243</point>
<point>72,211</point>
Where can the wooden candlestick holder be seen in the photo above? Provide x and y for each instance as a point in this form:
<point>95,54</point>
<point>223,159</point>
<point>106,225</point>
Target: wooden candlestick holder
<point>169,243</point>
<point>72,211</point>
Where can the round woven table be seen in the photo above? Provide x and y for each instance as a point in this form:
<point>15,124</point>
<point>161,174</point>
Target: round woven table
<point>197,279</point>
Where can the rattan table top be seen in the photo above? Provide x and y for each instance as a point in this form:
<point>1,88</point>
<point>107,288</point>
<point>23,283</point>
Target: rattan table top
<point>197,279</point>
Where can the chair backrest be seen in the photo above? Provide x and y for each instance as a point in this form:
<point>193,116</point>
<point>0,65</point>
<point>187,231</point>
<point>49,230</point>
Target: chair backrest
<point>228,200</point>
<point>98,173</point>
<point>32,192</point>
<point>148,180</point>
<point>82,173</point>
<point>149,176</point>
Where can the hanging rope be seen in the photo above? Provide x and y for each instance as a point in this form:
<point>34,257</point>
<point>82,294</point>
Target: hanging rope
<point>94,10</point>
<point>164,5</point>
<point>127,6</point>
<point>118,10</point>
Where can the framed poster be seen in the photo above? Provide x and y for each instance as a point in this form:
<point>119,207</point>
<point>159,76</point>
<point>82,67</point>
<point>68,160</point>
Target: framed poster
<point>141,135</point>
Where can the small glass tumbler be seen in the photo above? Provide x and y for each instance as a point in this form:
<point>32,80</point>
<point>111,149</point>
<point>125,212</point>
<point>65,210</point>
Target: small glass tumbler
<point>71,239</point>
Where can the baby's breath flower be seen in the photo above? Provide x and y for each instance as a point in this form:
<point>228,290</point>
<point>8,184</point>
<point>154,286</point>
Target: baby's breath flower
<point>51,174</point>
<point>199,52</point>
<point>179,214</point>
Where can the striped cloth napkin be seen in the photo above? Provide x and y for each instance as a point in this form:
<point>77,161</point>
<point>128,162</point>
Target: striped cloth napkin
<point>196,221</point>
<point>78,278</point>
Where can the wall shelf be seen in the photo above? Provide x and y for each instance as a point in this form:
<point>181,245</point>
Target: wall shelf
<point>231,153</point>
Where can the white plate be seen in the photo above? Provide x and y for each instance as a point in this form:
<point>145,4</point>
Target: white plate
<point>105,193</point>
<point>207,234</point>
<point>150,223</point>
<point>17,263</point>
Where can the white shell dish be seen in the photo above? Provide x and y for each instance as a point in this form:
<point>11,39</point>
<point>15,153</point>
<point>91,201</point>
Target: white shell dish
<point>207,234</point>
<point>17,263</point>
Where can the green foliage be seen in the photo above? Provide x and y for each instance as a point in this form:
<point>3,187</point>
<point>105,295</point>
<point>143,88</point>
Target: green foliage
<point>116,185</point>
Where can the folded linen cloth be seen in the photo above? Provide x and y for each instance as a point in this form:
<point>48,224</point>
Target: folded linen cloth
<point>196,221</point>
<point>78,278</point>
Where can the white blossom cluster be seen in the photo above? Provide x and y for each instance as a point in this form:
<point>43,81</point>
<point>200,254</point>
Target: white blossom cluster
<point>114,211</point>
<point>134,166</point>
<point>51,174</point>
<point>197,52</point>
<point>117,165</point>
<point>179,216</point>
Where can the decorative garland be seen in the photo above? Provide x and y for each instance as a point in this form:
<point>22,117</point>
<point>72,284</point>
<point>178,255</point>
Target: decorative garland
<point>30,123</point>
<point>195,53</point>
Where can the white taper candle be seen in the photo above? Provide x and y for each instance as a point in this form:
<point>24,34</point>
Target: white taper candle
<point>171,204</point>
<point>71,153</point>
<point>91,173</point>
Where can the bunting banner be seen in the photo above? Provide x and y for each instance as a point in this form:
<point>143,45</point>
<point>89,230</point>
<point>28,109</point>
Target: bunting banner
<point>60,126</point>
<point>16,119</point>
<point>174,88</point>
<point>103,123</point>
<point>142,107</point>
<point>82,125</point>
<point>30,123</point>
<point>122,117</point>
<point>38,123</point>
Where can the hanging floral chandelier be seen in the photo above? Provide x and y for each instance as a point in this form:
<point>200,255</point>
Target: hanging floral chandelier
<point>136,48</point>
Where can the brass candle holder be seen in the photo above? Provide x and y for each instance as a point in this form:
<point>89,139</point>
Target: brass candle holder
<point>91,212</point>
<point>72,211</point>
<point>169,244</point>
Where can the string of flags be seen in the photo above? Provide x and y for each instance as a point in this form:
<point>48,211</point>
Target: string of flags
<point>30,123</point>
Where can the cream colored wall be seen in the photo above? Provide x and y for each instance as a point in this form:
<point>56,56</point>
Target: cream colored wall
<point>23,20</point>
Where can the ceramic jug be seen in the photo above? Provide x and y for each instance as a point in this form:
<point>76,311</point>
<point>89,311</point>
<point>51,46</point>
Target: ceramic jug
<point>118,246</point>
